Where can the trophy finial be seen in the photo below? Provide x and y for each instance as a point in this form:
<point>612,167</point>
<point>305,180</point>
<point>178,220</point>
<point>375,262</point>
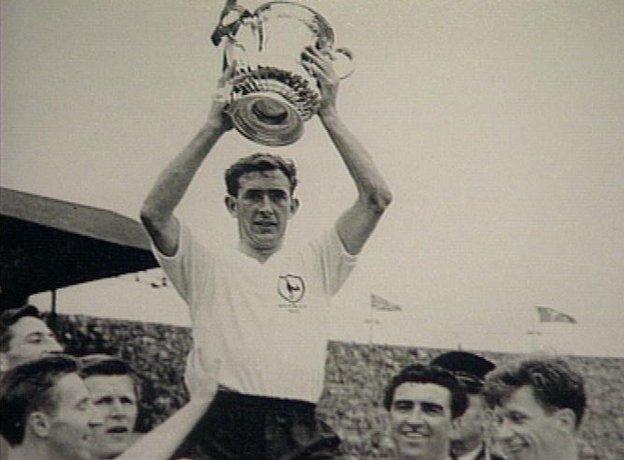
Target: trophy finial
<point>228,22</point>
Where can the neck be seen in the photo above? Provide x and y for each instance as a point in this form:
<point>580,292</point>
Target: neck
<point>437,457</point>
<point>259,254</point>
<point>441,455</point>
<point>568,452</point>
<point>30,450</point>
<point>562,447</point>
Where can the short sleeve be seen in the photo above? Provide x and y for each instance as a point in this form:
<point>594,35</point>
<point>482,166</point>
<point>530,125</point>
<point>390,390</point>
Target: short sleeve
<point>189,268</point>
<point>336,262</point>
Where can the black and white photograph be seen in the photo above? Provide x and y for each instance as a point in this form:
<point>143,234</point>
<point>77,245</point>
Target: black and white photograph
<point>311,229</point>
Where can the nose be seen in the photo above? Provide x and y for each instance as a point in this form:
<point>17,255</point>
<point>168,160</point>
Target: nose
<point>52,346</point>
<point>503,431</point>
<point>265,204</point>
<point>117,410</point>
<point>95,417</point>
<point>415,417</point>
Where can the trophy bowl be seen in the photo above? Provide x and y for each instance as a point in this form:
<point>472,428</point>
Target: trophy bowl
<point>272,93</point>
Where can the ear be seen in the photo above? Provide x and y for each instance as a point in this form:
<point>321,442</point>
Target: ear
<point>232,205</point>
<point>39,423</point>
<point>4,363</point>
<point>566,418</point>
<point>456,423</point>
<point>294,205</point>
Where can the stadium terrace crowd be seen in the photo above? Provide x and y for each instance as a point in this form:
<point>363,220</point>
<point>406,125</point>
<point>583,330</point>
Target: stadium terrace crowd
<point>360,399</point>
<point>255,367</point>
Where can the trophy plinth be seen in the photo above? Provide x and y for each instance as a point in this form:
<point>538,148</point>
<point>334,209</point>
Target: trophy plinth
<point>273,95</point>
<point>266,118</point>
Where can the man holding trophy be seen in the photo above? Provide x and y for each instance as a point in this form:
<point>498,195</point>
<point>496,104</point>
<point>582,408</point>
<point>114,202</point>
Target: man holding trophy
<point>262,308</point>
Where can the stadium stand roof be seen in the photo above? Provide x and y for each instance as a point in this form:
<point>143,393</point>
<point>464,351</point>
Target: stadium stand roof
<point>46,244</point>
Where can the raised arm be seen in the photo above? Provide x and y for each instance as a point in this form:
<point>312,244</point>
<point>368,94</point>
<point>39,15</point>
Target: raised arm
<point>164,440</point>
<point>157,211</point>
<point>357,223</point>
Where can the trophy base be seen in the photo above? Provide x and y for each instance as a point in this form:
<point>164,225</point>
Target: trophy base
<point>266,118</point>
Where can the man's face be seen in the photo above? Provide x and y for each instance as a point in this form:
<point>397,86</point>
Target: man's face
<point>263,207</point>
<point>420,420</point>
<point>70,425</point>
<point>114,398</point>
<point>525,431</point>
<point>468,429</point>
<point>30,339</point>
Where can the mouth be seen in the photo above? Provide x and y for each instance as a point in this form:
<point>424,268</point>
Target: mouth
<point>514,449</point>
<point>118,430</point>
<point>265,226</point>
<point>414,436</point>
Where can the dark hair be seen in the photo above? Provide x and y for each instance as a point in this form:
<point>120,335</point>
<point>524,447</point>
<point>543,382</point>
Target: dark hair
<point>417,373</point>
<point>469,368</point>
<point>28,388</point>
<point>555,385</point>
<point>259,162</point>
<point>11,316</point>
<point>102,364</point>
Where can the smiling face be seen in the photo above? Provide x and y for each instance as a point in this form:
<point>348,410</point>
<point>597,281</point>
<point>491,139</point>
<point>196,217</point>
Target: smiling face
<point>526,431</point>
<point>115,398</point>
<point>70,426</point>
<point>30,339</point>
<point>263,207</point>
<point>420,420</point>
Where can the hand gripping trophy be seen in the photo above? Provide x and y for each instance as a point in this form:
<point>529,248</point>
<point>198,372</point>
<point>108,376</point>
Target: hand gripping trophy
<point>272,93</point>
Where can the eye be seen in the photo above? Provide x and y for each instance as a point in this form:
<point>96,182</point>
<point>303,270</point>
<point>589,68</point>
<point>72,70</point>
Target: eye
<point>102,401</point>
<point>253,195</point>
<point>434,409</point>
<point>278,195</point>
<point>403,406</point>
<point>35,338</point>
<point>125,400</point>
<point>517,417</point>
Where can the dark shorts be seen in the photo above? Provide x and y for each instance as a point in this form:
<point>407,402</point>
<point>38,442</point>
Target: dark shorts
<point>239,426</point>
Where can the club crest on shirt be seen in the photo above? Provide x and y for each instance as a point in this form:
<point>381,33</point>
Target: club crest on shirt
<point>291,287</point>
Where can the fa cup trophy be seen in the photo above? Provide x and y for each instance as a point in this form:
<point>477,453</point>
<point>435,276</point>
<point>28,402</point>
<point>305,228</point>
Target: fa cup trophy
<point>272,93</point>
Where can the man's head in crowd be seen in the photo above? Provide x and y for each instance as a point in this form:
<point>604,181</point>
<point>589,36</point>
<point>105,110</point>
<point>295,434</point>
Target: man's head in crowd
<point>539,405</point>
<point>24,336</point>
<point>46,410</point>
<point>422,402</point>
<point>470,369</point>
<point>114,390</point>
<point>260,191</point>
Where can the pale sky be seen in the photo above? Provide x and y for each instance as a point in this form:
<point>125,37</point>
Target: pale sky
<point>498,125</point>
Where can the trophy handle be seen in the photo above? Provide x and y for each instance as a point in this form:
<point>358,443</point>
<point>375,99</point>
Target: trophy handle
<point>344,62</point>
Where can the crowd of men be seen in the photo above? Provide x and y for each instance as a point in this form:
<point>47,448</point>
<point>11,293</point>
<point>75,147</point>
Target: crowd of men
<point>458,407</point>
<point>531,410</point>
<point>259,316</point>
<point>56,406</point>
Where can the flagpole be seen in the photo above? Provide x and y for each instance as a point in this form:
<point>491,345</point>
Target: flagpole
<point>533,332</point>
<point>371,324</point>
<point>378,303</point>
